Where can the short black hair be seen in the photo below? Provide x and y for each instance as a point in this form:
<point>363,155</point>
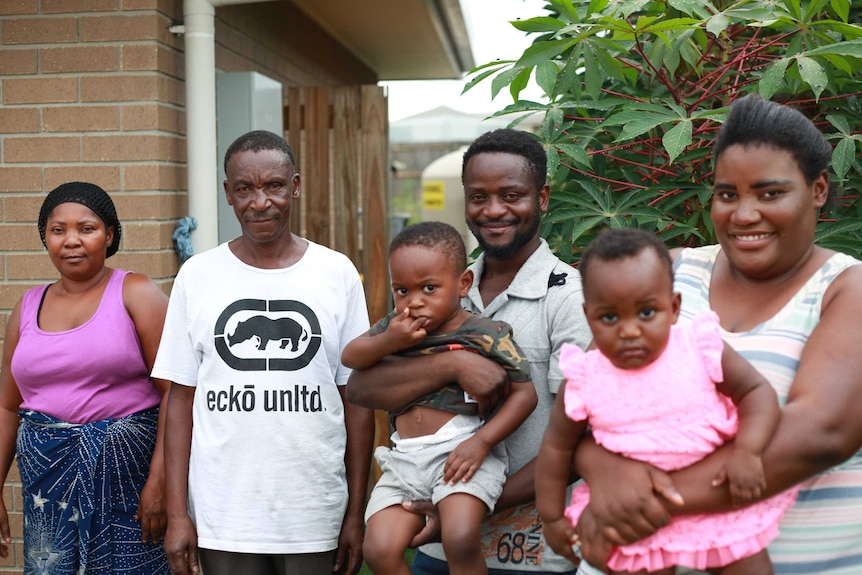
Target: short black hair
<point>755,121</point>
<point>86,194</point>
<point>258,141</point>
<point>509,141</point>
<point>618,244</point>
<point>438,236</point>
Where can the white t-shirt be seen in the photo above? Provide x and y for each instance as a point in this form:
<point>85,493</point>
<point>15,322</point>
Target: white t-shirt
<point>263,349</point>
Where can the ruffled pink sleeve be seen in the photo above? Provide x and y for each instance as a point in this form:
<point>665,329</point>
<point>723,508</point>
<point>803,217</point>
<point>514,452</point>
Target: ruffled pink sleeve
<point>707,337</point>
<point>572,364</point>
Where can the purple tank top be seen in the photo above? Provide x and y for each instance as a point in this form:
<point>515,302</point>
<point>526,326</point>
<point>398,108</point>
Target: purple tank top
<point>93,372</point>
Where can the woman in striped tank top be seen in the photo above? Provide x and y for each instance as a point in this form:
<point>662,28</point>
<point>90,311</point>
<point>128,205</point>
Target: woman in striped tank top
<point>794,310</point>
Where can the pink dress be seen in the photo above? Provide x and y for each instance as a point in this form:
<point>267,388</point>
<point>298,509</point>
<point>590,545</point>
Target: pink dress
<point>669,414</point>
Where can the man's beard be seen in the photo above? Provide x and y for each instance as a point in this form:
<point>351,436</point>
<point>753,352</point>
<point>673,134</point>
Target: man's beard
<point>506,251</point>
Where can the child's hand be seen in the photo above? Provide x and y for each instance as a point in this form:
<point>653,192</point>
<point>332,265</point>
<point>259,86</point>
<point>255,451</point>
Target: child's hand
<point>595,547</point>
<point>744,474</point>
<point>464,460</point>
<point>404,331</point>
<point>560,535</point>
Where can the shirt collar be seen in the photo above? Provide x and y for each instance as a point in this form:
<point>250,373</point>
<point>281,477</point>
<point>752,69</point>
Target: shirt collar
<point>531,281</point>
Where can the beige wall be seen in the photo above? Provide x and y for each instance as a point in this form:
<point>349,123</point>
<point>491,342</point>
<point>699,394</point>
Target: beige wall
<point>93,90</point>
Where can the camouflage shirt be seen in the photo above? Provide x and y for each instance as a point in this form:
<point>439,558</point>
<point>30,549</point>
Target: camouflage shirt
<point>487,337</point>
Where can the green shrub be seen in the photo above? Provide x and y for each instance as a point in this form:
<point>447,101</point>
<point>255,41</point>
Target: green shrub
<point>636,91</point>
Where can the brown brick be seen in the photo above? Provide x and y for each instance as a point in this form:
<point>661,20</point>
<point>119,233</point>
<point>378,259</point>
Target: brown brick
<point>78,59</point>
<point>168,206</point>
<point>170,8</point>
<point>121,88</point>
<point>42,149</point>
<point>139,57</point>
<point>16,500</point>
<point>4,320</point>
<point>133,148</point>
<point>10,7</point>
<point>8,495</point>
<point>18,62</point>
<point>157,264</point>
<point>152,57</point>
<point>22,208</point>
<point>172,90</point>
<point>19,237</point>
<point>11,293</point>
<point>14,474</point>
<point>20,179</point>
<point>39,30</point>
<point>108,177</point>
<point>150,87</point>
<point>16,550</point>
<point>40,90</point>
<point>81,118</point>
<point>19,120</point>
<point>148,236</point>
<point>145,26</point>
<point>10,560</point>
<point>16,524</point>
<point>29,266</point>
<point>73,6</point>
<point>150,177</point>
<point>143,206</point>
<point>153,117</point>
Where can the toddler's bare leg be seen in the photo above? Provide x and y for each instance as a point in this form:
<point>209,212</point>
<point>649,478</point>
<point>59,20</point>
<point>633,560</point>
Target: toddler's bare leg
<point>387,536</point>
<point>757,564</point>
<point>460,528</point>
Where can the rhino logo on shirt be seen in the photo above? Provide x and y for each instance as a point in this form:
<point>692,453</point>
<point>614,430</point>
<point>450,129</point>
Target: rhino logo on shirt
<point>265,330</point>
<point>289,322</point>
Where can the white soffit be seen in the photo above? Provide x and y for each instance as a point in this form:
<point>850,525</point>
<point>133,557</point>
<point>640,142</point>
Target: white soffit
<point>399,39</point>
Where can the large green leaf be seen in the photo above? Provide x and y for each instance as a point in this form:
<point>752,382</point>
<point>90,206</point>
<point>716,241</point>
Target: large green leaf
<point>717,24</point>
<point>848,48</point>
<point>813,74</point>
<point>676,139</point>
<point>576,153</point>
<point>842,8</point>
<point>592,74</point>
<point>538,24</point>
<point>503,79</point>
<point>546,76</point>
<point>842,156</point>
<point>773,78</point>
<point>542,51</point>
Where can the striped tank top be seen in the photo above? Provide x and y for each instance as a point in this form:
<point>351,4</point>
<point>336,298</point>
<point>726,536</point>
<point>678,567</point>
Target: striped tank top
<point>822,533</point>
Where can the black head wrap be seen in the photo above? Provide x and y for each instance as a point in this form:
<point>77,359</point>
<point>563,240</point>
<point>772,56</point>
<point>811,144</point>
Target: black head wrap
<point>89,195</point>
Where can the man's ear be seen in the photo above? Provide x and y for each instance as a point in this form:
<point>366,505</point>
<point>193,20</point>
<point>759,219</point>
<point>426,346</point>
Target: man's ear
<point>295,181</point>
<point>465,283</point>
<point>544,198</point>
<point>227,193</point>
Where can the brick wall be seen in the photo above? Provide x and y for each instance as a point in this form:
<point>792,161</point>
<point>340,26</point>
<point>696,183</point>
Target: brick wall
<point>93,90</point>
<point>89,90</point>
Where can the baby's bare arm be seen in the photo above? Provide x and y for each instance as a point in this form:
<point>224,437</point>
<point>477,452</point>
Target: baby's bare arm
<point>367,349</point>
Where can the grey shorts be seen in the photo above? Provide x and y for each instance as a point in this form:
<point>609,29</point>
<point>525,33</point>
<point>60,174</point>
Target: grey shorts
<point>417,474</point>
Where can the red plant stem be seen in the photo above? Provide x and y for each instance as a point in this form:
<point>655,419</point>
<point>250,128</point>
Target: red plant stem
<point>660,73</point>
<point>602,179</point>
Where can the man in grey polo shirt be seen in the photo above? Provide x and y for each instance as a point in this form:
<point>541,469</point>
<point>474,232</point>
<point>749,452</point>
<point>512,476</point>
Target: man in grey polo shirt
<point>519,281</point>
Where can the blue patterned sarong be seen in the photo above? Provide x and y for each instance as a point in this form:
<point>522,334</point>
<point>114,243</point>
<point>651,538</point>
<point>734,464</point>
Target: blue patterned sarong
<point>81,485</point>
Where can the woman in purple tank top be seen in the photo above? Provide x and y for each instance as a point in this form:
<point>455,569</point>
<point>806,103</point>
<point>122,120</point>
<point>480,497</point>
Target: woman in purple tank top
<point>77,404</point>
